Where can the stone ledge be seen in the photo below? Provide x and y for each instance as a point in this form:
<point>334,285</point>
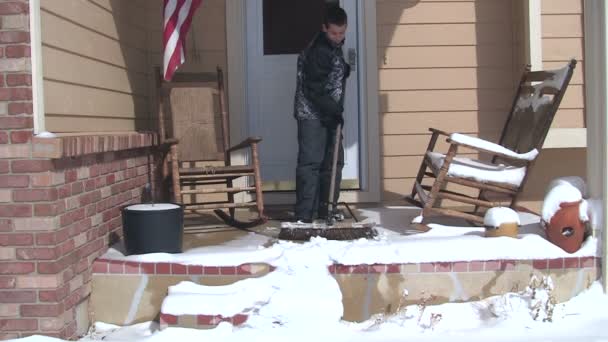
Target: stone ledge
<point>106,266</point>
<point>468,266</point>
<point>89,143</point>
<point>199,321</point>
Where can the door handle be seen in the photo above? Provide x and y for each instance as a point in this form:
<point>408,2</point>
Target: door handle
<point>352,58</point>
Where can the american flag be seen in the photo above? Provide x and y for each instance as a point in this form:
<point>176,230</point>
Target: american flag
<point>178,17</point>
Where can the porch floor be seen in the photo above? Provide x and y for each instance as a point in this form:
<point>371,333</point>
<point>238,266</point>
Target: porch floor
<point>204,233</point>
<point>204,229</point>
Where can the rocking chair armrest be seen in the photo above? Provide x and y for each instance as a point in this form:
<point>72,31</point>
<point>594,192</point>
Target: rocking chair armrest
<point>439,132</point>
<point>435,134</point>
<point>169,142</point>
<point>244,144</point>
<point>513,156</point>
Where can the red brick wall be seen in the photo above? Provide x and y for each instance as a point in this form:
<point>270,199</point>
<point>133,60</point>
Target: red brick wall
<point>56,215</point>
<point>64,214</point>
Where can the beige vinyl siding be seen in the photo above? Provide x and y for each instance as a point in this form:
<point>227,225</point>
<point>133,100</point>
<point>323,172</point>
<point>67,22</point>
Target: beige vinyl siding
<point>99,58</point>
<point>562,39</point>
<point>451,65</point>
<point>95,65</point>
<point>206,43</point>
<point>206,40</point>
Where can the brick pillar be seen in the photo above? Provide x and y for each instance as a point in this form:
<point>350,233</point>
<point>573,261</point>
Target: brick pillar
<point>20,285</point>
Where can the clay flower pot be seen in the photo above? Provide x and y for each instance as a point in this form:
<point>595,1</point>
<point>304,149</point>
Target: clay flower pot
<point>566,229</point>
<point>509,229</point>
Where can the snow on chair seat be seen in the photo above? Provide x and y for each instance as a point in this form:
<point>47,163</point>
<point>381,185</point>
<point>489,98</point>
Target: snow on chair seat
<point>478,170</point>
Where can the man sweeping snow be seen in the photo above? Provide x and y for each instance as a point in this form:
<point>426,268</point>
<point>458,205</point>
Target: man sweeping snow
<point>318,108</point>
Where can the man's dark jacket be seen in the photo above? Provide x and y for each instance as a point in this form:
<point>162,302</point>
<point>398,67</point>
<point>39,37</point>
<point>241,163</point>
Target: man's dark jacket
<point>321,81</point>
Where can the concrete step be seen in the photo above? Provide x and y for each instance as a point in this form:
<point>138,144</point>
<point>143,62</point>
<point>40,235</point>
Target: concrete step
<point>199,321</point>
<point>125,293</point>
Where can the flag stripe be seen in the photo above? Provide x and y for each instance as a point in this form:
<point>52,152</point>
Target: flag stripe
<point>177,20</point>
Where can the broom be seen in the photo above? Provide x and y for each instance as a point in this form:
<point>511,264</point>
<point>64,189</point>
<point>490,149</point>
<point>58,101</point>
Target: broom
<point>330,229</point>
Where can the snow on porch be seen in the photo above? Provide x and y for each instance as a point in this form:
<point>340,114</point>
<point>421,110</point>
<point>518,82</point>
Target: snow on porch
<point>450,262</point>
<point>396,243</point>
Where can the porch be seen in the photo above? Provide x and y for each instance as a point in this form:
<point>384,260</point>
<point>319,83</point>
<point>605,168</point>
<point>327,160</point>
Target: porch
<point>92,84</point>
<point>452,262</point>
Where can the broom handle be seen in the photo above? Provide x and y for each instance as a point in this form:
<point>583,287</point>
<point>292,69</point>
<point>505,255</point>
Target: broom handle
<point>334,166</point>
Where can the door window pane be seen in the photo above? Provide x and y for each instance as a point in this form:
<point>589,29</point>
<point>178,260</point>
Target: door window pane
<point>289,25</point>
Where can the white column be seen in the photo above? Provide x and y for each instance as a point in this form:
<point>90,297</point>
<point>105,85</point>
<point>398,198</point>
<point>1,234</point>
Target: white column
<point>37,74</point>
<point>534,40</point>
<point>596,105</point>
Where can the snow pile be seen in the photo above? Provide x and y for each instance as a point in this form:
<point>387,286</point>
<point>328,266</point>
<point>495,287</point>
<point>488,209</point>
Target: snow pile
<point>300,293</point>
<point>510,317</point>
<point>565,190</point>
<point>496,216</point>
<point>46,135</point>
<point>492,147</point>
<point>531,310</point>
<point>188,298</point>
<point>418,219</point>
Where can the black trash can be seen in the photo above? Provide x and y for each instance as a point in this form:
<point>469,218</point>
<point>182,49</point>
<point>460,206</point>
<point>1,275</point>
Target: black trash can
<point>153,228</point>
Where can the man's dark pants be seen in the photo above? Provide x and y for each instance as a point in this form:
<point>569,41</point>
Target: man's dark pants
<point>313,173</point>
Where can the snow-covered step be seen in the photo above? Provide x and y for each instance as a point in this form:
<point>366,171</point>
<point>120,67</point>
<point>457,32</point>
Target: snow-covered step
<point>191,305</point>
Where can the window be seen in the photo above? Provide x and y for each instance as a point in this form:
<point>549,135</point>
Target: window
<point>290,25</point>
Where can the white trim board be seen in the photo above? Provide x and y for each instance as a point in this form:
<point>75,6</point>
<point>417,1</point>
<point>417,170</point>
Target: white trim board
<point>235,75</point>
<point>37,72</point>
<point>566,138</point>
<point>533,31</point>
<point>370,160</point>
<point>596,107</point>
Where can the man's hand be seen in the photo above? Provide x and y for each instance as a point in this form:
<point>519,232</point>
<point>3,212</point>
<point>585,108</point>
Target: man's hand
<point>333,120</point>
<point>339,120</point>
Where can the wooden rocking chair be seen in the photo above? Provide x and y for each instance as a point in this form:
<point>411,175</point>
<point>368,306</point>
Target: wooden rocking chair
<point>201,172</point>
<point>538,97</point>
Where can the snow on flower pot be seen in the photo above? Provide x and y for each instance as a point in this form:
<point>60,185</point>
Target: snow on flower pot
<point>501,221</point>
<point>153,228</point>
<point>564,213</point>
<point>566,229</point>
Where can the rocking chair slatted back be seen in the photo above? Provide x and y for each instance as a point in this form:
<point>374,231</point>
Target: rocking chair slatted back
<point>194,124</point>
<point>538,97</point>
<point>193,104</point>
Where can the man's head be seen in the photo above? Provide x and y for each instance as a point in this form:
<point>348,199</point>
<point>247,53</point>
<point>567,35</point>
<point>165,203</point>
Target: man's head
<point>334,24</point>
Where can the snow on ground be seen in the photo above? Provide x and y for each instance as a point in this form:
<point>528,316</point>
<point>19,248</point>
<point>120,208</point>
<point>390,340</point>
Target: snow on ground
<point>442,243</point>
<point>301,301</point>
<point>500,318</point>
<point>509,317</point>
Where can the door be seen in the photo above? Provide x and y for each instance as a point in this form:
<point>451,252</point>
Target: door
<point>277,30</point>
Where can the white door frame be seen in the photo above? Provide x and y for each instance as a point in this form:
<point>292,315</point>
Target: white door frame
<point>596,107</point>
<point>370,137</point>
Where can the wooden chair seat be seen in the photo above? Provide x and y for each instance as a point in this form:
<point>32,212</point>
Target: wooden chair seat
<point>477,170</point>
<point>214,170</point>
